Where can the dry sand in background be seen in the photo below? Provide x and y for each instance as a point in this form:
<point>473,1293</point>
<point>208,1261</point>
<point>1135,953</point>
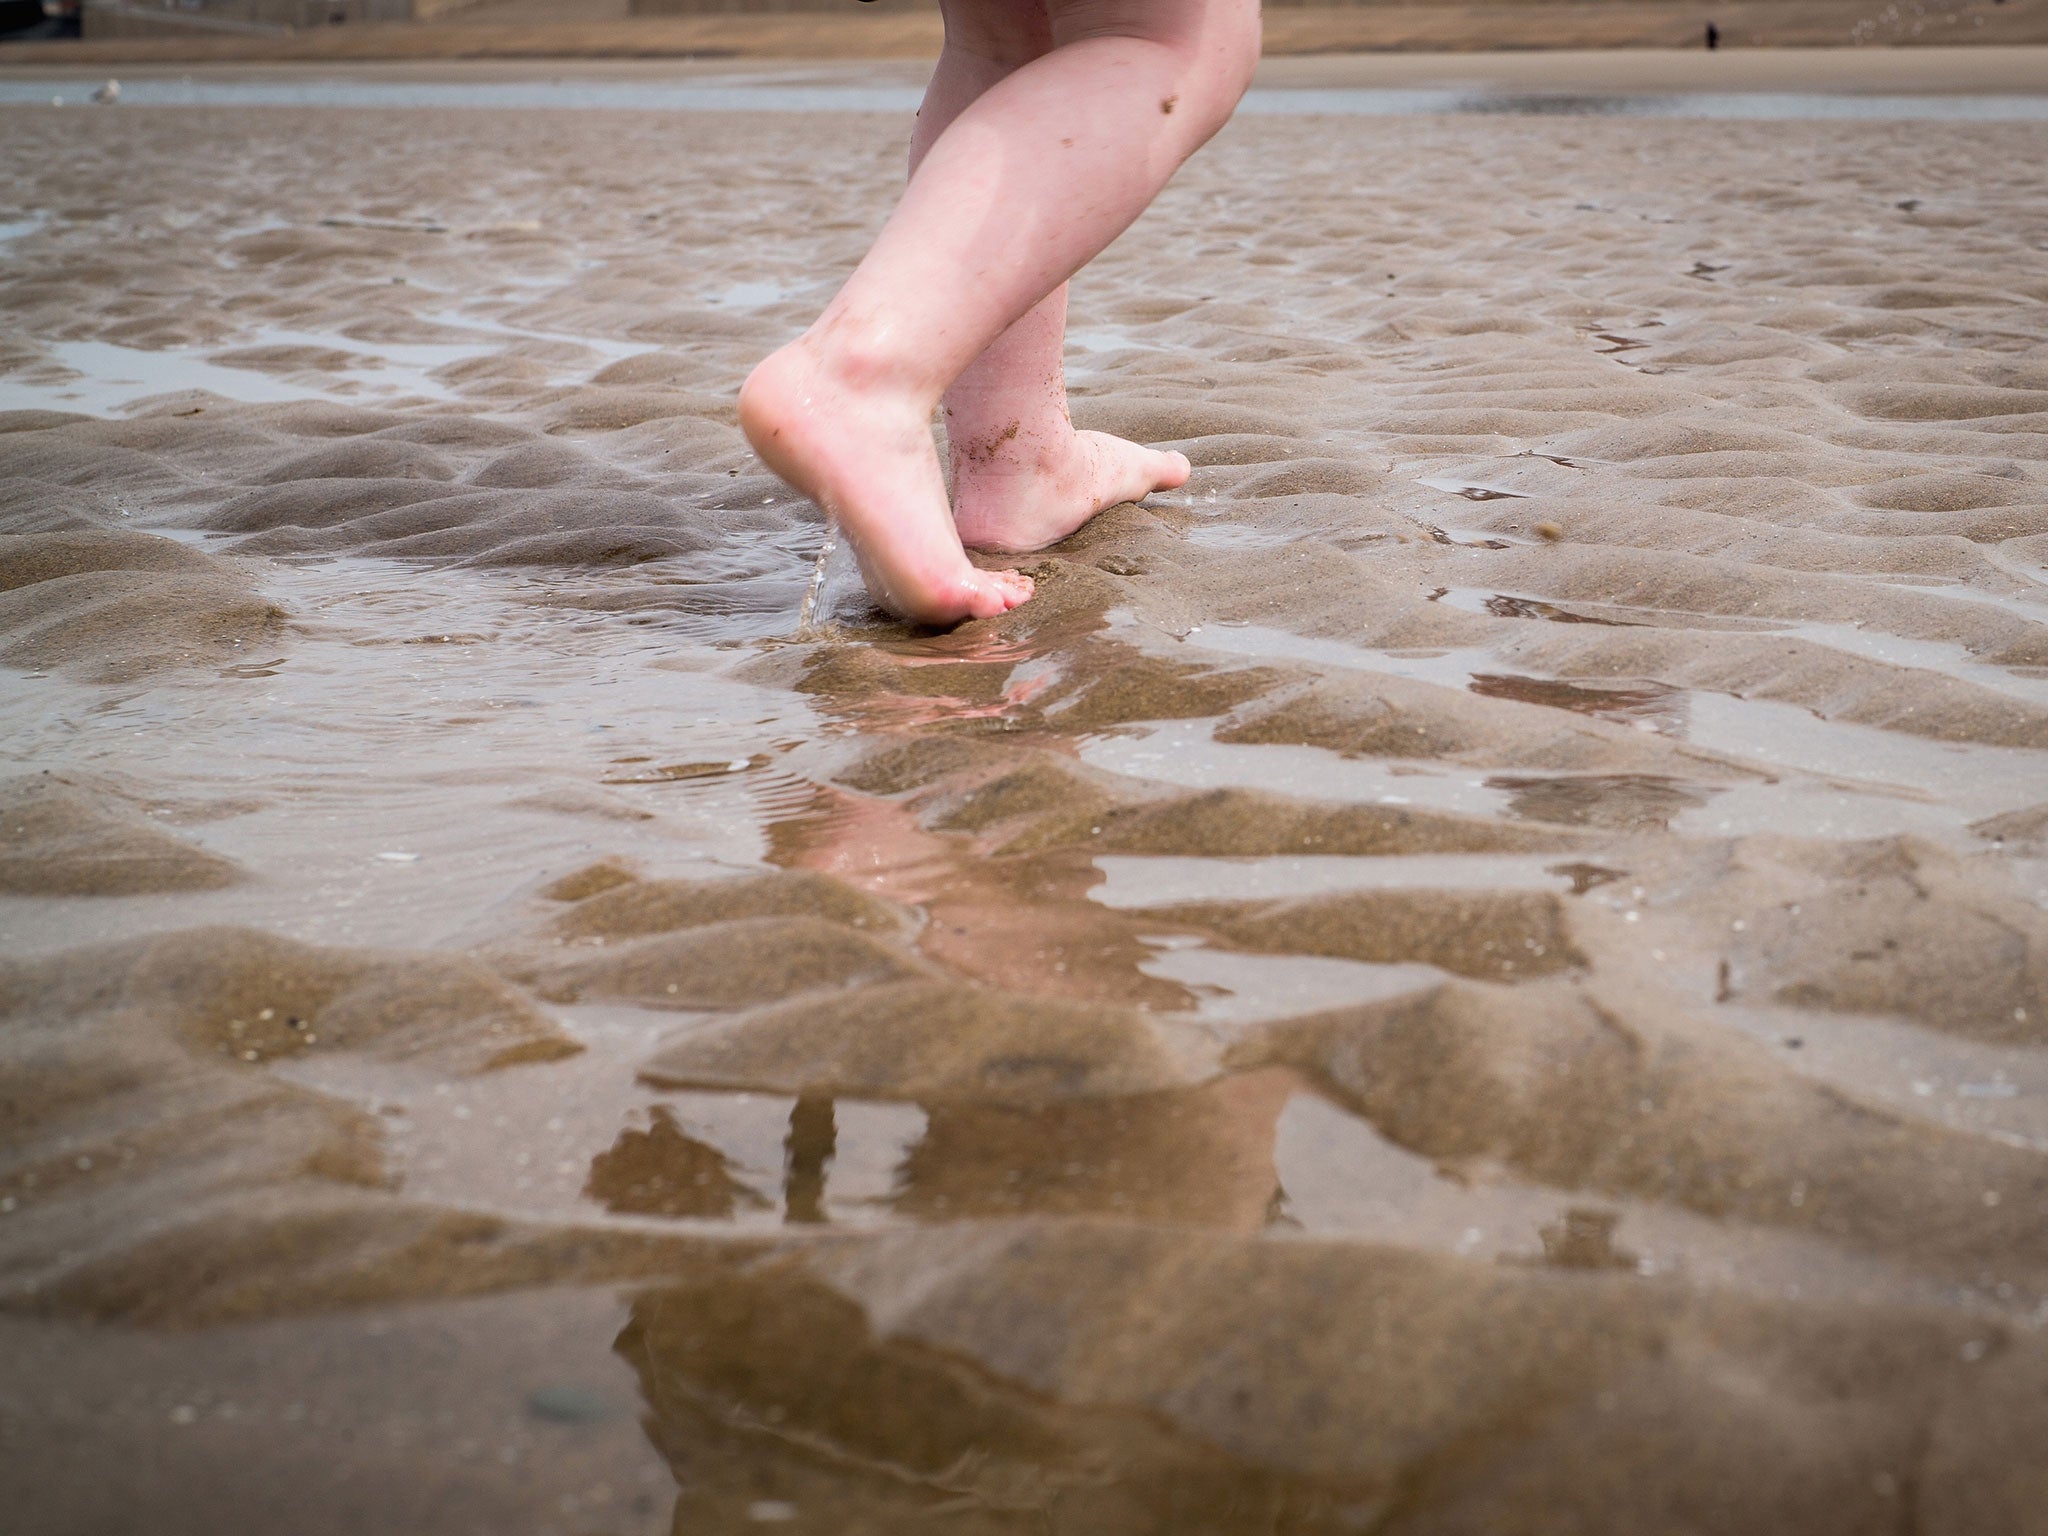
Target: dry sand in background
<point>598,29</point>
<point>1482,969</point>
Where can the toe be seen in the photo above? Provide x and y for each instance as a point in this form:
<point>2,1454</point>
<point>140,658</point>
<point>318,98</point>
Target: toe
<point>1172,472</point>
<point>1002,591</point>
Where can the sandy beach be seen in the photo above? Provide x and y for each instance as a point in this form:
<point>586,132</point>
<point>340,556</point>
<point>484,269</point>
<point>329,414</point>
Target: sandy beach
<point>1482,968</point>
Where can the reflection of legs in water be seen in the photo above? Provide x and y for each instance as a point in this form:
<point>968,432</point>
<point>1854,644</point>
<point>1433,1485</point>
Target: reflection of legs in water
<point>807,1155</point>
<point>1046,162</point>
<point>1191,1156</point>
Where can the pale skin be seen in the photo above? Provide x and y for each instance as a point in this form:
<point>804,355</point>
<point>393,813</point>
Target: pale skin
<point>1048,127</point>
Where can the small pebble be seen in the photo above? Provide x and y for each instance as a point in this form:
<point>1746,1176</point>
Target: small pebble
<point>568,1405</point>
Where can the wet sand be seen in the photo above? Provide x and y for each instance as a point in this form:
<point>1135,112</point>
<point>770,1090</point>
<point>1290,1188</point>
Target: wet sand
<point>1483,968</point>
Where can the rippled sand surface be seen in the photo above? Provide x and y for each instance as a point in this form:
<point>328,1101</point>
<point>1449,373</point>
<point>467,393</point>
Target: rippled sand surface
<point>1483,969</point>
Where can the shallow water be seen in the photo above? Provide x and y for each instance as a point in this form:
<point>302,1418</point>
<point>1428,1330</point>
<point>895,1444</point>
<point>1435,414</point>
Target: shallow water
<point>745,95</point>
<point>1500,930</point>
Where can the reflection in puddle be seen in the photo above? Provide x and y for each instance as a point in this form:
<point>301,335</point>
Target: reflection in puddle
<point>1472,492</point>
<point>1503,606</point>
<point>1200,1155</point>
<point>1616,344</point>
<point>1651,706</point>
<point>1585,876</point>
<point>807,1158</point>
<point>662,1171</point>
<point>1628,802</point>
<point>1470,541</point>
<point>1584,1239</point>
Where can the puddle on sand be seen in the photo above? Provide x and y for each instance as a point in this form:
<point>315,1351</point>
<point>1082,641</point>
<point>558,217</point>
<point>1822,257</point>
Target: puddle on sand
<point>274,364</point>
<point>12,230</point>
<point>815,93</point>
<point>1182,752</point>
<point>1816,777</point>
<point>1240,1153</point>
<point>101,377</point>
<point>1157,880</point>
<point>755,295</point>
<point>416,667</point>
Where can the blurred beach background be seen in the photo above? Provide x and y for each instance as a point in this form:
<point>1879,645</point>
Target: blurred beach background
<point>220,30</point>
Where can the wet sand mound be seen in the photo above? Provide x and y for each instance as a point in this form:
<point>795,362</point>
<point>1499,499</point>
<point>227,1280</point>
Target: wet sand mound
<point>35,506</point>
<point>1224,1384</point>
<point>1240,823</point>
<point>1494,935</point>
<point>1900,927</point>
<point>253,998</point>
<point>2024,831</point>
<point>1399,718</point>
<point>144,1098</point>
<point>499,528</point>
<point>929,1041</point>
<point>637,908</point>
<point>112,606</point>
<point>1580,1089</point>
<point>724,965</point>
<point>59,837</point>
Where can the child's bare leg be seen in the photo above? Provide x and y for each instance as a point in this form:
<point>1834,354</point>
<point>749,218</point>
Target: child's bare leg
<point>1022,476</point>
<point>1035,176</point>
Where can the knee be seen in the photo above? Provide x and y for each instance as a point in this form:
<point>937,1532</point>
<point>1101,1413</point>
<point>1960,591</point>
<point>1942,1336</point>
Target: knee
<point>1225,53</point>
<point>1211,47</point>
<point>1005,33</point>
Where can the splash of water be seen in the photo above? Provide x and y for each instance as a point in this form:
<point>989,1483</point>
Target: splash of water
<point>807,611</point>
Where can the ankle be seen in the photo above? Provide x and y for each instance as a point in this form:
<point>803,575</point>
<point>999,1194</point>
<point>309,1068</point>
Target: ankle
<point>865,363</point>
<point>1008,447</point>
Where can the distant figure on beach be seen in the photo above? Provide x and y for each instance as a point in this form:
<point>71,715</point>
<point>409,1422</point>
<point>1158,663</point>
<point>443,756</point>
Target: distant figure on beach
<point>1713,37</point>
<point>1048,127</point>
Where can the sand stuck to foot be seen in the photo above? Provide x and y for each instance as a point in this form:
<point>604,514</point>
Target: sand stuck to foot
<point>1482,968</point>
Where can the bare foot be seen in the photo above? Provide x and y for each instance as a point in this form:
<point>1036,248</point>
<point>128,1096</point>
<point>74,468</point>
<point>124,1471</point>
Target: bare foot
<point>863,452</point>
<point>1015,495</point>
